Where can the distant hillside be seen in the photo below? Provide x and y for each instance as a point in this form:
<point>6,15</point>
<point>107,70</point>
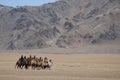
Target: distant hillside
<point>65,23</point>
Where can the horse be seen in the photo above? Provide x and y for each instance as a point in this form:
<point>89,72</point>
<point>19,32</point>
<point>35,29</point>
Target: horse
<point>28,62</point>
<point>48,64</point>
<point>33,63</point>
<point>40,64</point>
<point>20,63</point>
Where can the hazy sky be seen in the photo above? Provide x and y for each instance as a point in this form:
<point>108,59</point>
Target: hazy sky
<point>25,2</point>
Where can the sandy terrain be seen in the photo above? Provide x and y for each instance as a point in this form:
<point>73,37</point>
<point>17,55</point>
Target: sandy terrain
<point>66,67</point>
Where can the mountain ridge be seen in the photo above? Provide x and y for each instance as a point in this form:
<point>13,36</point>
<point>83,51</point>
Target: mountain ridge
<point>66,24</point>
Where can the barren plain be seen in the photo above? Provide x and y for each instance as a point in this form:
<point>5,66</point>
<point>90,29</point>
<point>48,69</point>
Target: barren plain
<point>66,67</point>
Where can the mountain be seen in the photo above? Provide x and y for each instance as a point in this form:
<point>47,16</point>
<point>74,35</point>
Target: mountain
<point>64,23</point>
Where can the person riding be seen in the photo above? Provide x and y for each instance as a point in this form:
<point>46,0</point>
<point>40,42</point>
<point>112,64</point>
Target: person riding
<point>40,59</point>
<point>50,63</point>
<point>24,59</point>
<point>46,61</point>
<point>21,58</point>
<point>30,57</point>
<point>34,57</point>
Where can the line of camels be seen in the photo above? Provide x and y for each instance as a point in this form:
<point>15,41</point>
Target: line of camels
<point>33,62</point>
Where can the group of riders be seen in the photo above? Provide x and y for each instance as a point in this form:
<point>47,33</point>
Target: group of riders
<point>33,62</point>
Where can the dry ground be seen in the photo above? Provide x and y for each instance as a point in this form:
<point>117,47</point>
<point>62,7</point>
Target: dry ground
<point>66,67</point>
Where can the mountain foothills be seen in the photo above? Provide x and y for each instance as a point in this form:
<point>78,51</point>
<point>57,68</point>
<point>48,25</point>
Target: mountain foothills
<point>64,23</point>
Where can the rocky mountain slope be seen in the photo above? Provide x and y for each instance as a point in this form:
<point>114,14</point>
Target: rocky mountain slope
<point>64,23</point>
